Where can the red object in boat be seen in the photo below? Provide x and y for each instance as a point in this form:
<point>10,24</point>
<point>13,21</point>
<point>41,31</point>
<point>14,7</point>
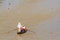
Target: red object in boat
<point>23,30</point>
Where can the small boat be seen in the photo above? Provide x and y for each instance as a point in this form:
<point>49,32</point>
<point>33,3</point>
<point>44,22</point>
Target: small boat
<point>21,29</point>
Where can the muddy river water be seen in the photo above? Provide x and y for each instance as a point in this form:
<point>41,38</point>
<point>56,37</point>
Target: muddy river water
<point>41,18</point>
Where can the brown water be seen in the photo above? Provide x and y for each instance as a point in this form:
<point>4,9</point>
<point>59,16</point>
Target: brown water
<point>41,17</point>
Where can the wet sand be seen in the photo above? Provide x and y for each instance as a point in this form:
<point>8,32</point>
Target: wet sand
<point>41,17</point>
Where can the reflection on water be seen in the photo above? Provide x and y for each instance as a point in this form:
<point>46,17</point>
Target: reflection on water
<point>41,17</point>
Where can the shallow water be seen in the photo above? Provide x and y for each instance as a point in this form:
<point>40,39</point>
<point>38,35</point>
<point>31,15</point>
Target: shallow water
<point>41,17</point>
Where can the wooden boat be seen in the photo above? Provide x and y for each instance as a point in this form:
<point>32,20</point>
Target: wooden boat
<point>21,29</point>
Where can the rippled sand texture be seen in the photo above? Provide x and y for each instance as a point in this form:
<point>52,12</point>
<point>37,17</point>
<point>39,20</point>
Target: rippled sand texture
<point>41,17</point>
